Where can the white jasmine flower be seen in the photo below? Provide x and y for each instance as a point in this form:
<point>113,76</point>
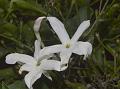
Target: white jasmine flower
<point>68,45</point>
<point>36,66</point>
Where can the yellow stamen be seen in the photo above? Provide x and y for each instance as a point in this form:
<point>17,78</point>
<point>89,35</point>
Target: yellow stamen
<point>67,46</point>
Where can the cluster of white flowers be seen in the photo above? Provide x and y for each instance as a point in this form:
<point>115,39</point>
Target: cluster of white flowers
<point>41,62</point>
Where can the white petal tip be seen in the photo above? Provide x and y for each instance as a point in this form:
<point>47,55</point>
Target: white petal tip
<point>27,82</point>
<point>50,78</point>
<point>87,22</point>
<point>9,58</point>
<point>38,23</point>
<point>51,18</point>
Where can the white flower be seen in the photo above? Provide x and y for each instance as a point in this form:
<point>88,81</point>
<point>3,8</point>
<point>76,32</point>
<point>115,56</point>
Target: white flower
<point>68,45</point>
<point>34,65</point>
<point>72,45</point>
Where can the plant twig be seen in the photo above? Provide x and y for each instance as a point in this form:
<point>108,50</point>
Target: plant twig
<point>18,42</point>
<point>100,5</point>
<point>101,12</point>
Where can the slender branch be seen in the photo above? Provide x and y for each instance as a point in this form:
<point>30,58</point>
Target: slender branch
<point>100,5</point>
<point>94,2</point>
<point>98,17</point>
<point>115,64</point>
<point>104,7</point>
<point>16,41</point>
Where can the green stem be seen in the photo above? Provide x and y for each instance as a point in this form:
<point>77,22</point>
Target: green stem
<point>100,5</point>
<point>97,17</point>
<point>17,42</point>
<point>113,53</point>
<point>115,64</point>
<point>21,27</point>
<point>9,9</point>
<point>94,2</point>
<point>72,3</point>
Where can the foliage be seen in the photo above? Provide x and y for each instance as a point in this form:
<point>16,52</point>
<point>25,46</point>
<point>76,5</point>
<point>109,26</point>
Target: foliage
<point>100,71</point>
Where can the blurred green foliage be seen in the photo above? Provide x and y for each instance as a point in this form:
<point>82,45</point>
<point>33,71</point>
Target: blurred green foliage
<point>100,71</point>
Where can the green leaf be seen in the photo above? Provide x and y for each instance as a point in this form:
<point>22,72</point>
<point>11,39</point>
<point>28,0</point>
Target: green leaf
<point>17,85</point>
<point>4,4</point>
<point>21,4</point>
<point>28,34</point>
<point>0,85</point>
<point>4,86</point>
<point>7,73</point>
<point>75,85</point>
<point>8,28</point>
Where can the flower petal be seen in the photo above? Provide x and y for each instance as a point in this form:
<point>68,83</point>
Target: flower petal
<point>37,27</point>
<point>83,48</point>
<point>38,23</point>
<point>37,49</point>
<point>31,77</point>
<point>47,75</point>
<point>50,65</point>
<point>49,50</point>
<point>65,56</point>
<point>64,67</point>
<point>83,26</point>
<point>27,67</point>
<point>16,57</point>
<point>59,28</point>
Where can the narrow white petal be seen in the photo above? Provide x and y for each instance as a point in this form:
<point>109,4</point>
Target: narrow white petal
<point>50,65</point>
<point>59,28</point>
<point>47,75</point>
<point>16,57</point>
<point>27,67</point>
<point>65,56</point>
<point>38,23</point>
<point>83,26</point>
<point>49,50</point>
<point>31,77</point>
<point>37,27</point>
<point>37,49</point>
<point>37,34</point>
<point>83,48</point>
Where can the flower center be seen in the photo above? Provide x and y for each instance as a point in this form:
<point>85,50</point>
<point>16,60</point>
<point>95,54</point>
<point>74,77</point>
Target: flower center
<point>38,63</point>
<point>67,45</point>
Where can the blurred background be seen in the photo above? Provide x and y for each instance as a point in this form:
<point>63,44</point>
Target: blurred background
<point>101,70</point>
